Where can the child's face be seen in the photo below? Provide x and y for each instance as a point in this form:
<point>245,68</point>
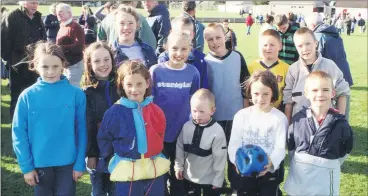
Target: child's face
<point>215,39</point>
<point>135,87</point>
<point>225,25</point>
<point>283,28</point>
<point>178,50</point>
<point>306,46</point>
<point>101,62</point>
<point>261,96</point>
<point>49,67</point>
<point>270,47</point>
<point>319,92</point>
<point>201,110</point>
<point>127,26</point>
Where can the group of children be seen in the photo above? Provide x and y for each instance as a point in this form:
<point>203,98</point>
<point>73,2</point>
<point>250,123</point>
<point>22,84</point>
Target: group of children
<point>142,121</point>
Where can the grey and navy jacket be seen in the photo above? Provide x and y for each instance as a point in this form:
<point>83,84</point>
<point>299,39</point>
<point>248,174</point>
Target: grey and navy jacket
<point>159,21</point>
<point>331,46</point>
<point>99,99</point>
<point>148,52</point>
<point>317,153</point>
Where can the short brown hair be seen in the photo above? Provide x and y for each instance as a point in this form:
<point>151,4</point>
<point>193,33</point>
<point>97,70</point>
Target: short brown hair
<point>131,67</point>
<point>318,75</point>
<point>280,20</point>
<point>90,78</point>
<point>34,51</point>
<point>269,19</point>
<point>204,94</point>
<point>268,79</point>
<point>213,26</point>
<point>305,30</point>
<point>189,6</point>
<point>273,33</point>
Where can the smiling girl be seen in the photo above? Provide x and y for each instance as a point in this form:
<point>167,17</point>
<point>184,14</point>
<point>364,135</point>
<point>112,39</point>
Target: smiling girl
<point>49,126</point>
<point>101,93</point>
<point>128,46</point>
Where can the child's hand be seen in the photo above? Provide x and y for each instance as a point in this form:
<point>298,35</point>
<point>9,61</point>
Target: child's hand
<point>267,168</point>
<point>92,162</point>
<point>31,178</point>
<point>77,175</point>
<point>179,175</point>
<point>215,187</point>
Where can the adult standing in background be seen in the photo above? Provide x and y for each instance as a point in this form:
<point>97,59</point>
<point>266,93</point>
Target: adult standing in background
<point>331,46</point>
<point>288,53</point>
<point>159,21</point>
<point>71,38</point>
<point>249,22</point>
<point>86,13</point>
<point>348,22</point>
<point>19,28</point>
<point>189,8</point>
<point>106,7</point>
<point>52,24</point>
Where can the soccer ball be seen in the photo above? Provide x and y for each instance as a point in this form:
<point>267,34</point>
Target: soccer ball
<point>250,160</point>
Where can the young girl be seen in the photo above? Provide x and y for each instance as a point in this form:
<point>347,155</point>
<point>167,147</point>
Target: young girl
<point>127,46</point>
<point>49,126</point>
<point>132,133</point>
<point>249,127</point>
<point>174,82</point>
<point>101,92</point>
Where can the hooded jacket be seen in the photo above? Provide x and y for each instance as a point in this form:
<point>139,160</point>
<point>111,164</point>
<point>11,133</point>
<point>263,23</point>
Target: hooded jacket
<point>49,126</point>
<point>331,46</point>
<point>195,58</point>
<point>52,26</point>
<point>159,21</point>
<point>319,152</point>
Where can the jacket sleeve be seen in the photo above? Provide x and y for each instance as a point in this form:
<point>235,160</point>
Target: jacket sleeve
<point>105,135</point>
<point>199,36</point>
<point>219,158</point>
<point>347,139</point>
<point>279,152</point>
<point>81,131</point>
<point>92,146</point>
<point>236,137</point>
<point>235,40</point>
<point>180,154</point>
<point>6,37</point>
<point>163,32</point>
<point>341,85</point>
<point>101,33</point>
<point>80,19</point>
<point>48,23</point>
<point>290,137</point>
<point>98,14</point>
<point>43,30</point>
<point>21,145</point>
<point>289,84</point>
<point>78,37</point>
<point>204,76</point>
<point>244,72</point>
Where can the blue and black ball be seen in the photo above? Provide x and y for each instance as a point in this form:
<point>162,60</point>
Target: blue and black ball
<point>250,160</point>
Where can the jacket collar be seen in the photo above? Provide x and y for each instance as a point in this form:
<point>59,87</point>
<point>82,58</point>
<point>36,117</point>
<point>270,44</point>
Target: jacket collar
<point>316,63</point>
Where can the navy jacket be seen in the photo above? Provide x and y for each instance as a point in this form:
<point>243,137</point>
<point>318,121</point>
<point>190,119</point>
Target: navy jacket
<point>99,99</point>
<point>159,21</point>
<point>147,50</point>
<point>331,47</point>
<point>52,26</point>
<point>195,58</point>
<point>332,140</point>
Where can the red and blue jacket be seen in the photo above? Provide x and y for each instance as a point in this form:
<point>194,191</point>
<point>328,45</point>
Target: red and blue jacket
<point>129,129</point>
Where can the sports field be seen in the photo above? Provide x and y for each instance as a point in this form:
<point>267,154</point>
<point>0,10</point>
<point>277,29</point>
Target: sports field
<point>354,171</point>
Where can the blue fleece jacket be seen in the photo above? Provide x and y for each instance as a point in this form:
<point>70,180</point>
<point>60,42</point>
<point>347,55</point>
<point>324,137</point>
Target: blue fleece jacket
<point>331,47</point>
<point>195,58</point>
<point>49,126</point>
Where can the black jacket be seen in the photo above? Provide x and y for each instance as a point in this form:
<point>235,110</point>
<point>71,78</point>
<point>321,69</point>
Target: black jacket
<point>99,99</point>
<point>18,31</point>
<point>52,26</point>
<point>333,139</point>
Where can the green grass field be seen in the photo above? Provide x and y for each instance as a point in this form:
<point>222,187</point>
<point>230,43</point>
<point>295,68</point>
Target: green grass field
<point>354,170</point>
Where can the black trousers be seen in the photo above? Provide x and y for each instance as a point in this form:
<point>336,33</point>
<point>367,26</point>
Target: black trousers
<point>19,80</point>
<point>176,186</point>
<point>267,185</point>
<point>232,175</point>
<point>193,189</point>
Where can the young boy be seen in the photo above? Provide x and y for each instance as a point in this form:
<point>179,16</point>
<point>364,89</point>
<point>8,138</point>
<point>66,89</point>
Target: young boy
<point>310,60</point>
<point>227,70</point>
<point>231,41</point>
<point>270,43</point>
<point>319,139</point>
<point>195,58</point>
<point>201,148</point>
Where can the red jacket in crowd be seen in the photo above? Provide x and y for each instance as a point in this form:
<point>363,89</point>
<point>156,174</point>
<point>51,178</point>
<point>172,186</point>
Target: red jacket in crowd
<point>249,20</point>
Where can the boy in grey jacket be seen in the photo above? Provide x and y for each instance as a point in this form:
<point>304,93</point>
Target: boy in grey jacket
<point>201,148</point>
<point>311,60</point>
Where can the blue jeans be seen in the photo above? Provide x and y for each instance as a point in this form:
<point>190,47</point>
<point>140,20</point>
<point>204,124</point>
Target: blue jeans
<point>57,180</point>
<point>151,187</point>
<point>248,29</point>
<point>101,184</point>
